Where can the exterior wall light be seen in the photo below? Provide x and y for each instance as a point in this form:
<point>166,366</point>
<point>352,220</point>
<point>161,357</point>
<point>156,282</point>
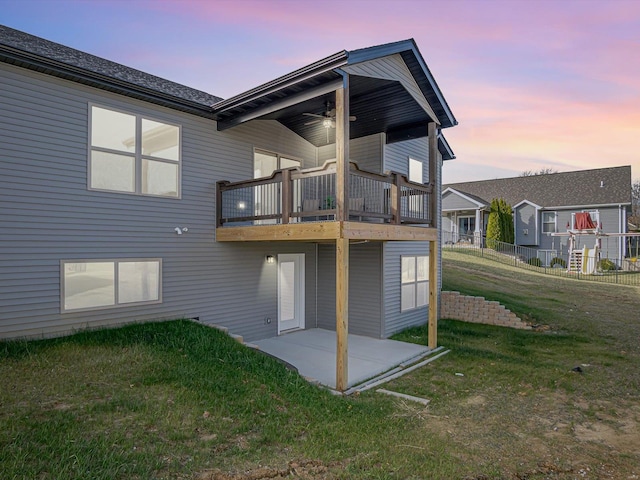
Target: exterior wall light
<point>270,259</point>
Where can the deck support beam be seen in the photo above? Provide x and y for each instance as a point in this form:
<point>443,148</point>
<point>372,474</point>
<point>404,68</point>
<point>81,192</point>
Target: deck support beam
<point>433,294</point>
<point>342,313</point>
<point>342,151</point>
<point>432,130</point>
<point>342,243</point>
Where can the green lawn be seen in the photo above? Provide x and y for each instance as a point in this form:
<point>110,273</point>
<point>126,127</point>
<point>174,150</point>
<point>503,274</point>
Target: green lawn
<point>180,400</point>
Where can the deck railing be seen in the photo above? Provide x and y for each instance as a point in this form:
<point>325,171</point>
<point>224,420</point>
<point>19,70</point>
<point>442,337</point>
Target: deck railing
<point>295,195</point>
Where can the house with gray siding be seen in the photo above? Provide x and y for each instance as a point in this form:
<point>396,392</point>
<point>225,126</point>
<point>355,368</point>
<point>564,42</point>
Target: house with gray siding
<point>543,206</point>
<point>311,201</point>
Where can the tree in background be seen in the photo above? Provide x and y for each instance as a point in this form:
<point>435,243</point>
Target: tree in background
<point>506,217</point>
<point>635,203</point>
<point>493,225</point>
<point>500,224</point>
<point>542,171</point>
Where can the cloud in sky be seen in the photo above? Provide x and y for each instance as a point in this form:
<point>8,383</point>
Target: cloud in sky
<point>533,83</point>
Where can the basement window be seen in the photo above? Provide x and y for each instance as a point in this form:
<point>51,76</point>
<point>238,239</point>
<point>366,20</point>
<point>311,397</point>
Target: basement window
<point>97,284</point>
<point>414,282</point>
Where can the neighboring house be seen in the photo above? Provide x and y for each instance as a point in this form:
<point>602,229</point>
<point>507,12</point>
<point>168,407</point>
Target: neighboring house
<point>543,205</point>
<point>117,204</point>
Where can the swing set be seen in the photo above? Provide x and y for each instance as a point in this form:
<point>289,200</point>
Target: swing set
<point>587,260</point>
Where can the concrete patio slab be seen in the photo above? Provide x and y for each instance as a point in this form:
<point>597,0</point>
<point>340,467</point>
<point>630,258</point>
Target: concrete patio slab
<point>313,353</point>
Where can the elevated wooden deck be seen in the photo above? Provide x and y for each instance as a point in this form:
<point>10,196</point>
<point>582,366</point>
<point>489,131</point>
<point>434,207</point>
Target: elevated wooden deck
<point>302,205</point>
<point>325,231</point>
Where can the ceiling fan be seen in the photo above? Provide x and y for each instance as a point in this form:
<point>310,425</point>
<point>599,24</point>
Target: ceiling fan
<point>328,118</point>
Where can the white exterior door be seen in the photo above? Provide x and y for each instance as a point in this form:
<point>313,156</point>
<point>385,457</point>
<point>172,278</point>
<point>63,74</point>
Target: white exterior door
<point>290,291</point>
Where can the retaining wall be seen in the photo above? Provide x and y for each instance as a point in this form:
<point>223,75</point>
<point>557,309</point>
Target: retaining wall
<point>455,306</point>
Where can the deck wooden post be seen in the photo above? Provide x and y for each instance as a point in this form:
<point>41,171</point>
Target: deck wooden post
<point>342,312</point>
<point>342,244</point>
<point>433,168</point>
<point>396,202</point>
<point>219,202</point>
<point>342,151</point>
<point>433,294</point>
<point>287,196</point>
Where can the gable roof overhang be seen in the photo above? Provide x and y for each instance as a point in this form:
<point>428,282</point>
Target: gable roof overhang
<point>527,202</point>
<point>480,205</point>
<point>391,90</point>
<point>445,149</point>
<point>28,51</point>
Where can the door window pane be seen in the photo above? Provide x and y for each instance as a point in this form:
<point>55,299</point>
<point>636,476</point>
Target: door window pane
<point>264,164</point>
<point>287,291</point>
<point>288,162</point>
<point>415,170</point>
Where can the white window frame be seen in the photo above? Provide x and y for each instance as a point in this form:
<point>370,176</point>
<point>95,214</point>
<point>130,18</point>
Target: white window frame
<point>116,263</point>
<point>412,174</point>
<point>137,155</point>
<point>555,222</point>
<point>415,283</point>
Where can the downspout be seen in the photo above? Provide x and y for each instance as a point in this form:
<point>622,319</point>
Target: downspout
<point>623,229</point>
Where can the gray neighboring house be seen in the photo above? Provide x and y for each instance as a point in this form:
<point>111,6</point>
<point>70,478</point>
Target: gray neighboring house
<point>542,205</point>
<point>309,201</point>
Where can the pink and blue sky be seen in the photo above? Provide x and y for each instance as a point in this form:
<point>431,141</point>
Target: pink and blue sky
<point>534,83</point>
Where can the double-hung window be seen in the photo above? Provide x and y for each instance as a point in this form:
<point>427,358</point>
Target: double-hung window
<point>94,284</point>
<point>414,282</point>
<point>133,154</point>
<point>548,222</point>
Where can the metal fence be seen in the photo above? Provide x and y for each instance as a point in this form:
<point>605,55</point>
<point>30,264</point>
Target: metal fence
<point>610,270</point>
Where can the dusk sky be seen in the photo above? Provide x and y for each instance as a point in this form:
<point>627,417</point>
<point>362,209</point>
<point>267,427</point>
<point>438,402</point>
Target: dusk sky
<point>534,84</point>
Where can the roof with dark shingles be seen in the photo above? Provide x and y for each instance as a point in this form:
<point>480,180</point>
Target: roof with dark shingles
<point>90,63</point>
<point>581,188</point>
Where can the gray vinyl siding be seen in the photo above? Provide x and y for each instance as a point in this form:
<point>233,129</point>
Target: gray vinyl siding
<point>453,201</point>
<point>48,215</point>
<point>395,320</point>
<point>365,284</point>
<point>526,219</point>
<point>396,158</point>
<point>366,151</point>
<point>326,152</point>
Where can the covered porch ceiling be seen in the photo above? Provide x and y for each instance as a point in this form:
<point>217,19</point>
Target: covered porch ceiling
<point>390,90</point>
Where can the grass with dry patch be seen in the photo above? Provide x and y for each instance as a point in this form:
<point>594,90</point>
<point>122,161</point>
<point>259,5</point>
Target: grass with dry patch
<point>179,400</point>
<point>511,401</point>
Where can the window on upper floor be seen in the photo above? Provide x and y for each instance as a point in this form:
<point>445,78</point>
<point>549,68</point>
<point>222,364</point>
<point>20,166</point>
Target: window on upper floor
<point>415,171</point>
<point>96,284</point>
<point>133,154</point>
<point>414,282</point>
<point>549,222</point>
